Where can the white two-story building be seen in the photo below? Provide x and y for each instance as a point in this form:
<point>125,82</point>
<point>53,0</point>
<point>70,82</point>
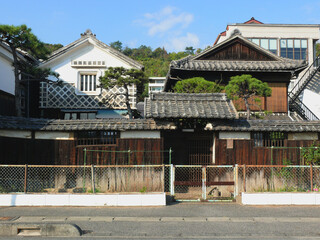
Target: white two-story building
<point>77,94</point>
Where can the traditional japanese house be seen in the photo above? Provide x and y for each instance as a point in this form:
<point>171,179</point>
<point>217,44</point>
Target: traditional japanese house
<point>236,56</point>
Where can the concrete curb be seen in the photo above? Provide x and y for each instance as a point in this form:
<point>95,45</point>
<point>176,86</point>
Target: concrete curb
<point>285,198</point>
<point>86,200</point>
<point>40,229</point>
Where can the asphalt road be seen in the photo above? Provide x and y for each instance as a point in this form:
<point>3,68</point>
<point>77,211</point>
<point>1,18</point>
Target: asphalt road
<point>178,221</point>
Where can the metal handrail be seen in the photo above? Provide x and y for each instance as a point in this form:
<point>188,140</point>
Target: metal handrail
<point>307,113</point>
<point>311,71</point>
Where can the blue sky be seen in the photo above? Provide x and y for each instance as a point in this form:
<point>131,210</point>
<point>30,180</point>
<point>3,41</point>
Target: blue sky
<point>170,24</point>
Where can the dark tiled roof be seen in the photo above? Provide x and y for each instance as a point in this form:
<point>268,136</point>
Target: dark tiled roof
<point>186,105</point>
<point>272,116</point>
<point>265,125</point>
<point>217,65</point>
<point>39,124</point>
<point>276,64</point>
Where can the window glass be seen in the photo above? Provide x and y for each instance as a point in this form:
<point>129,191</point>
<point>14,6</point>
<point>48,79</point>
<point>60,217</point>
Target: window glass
<point>297,48</point>
<point>290,48</point>
<point>303,43</point>
<point>273,44</point>
<point>83,116</point>
<point>81,83</point>
<point>67,116</point>
<point>264,43</point>
<point>304,49</point>
<point>91,115</point>
<point>255,40</point>
<point>283,47</point>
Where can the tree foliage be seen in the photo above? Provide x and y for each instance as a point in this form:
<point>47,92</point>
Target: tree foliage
<point>116,45</point>
<point>197,85</point>
<point>311,155</point>
<point>122,77</point>
<point>244,87</point>
<point>20,38</point>
<point>52,47</point>
<point>156,61</point>
<point>189,50</point>
<point>317,49</point>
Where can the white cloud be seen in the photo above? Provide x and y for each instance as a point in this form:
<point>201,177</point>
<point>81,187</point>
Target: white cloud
<point>166,19</point>
<point>181,42</point>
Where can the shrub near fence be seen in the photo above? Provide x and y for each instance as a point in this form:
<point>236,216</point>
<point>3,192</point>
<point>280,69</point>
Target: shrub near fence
<point>276,178</point>
<point>81,179</point>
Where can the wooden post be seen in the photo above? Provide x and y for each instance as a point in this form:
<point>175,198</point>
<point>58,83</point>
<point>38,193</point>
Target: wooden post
<point>236,183</point>
<point>244,178</point>
<point>163,178</point>
<point>172,176</point>
<point>92,179</point>
<point>204,182</point>
<point>25,178</point>
<point>311,177</point>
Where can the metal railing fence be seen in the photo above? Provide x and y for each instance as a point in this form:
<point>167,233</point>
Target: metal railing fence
<point>184,182</point>
<point>277,178</point>
<point>81,179</point>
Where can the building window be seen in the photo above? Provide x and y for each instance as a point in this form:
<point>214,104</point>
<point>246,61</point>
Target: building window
<point>79,115</point>
<point>97,137</point>
<point>293,48</point>
<point>269,139</point>
<point>269,44</point>
<point>88,82</point>
<point>156,89</point>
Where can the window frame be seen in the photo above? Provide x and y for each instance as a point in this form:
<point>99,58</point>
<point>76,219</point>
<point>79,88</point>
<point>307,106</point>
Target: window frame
<point>259,39</point>
<point>265,139</point>
<point>294,49</point>
<point>79,83</point>
<point>97,138</point>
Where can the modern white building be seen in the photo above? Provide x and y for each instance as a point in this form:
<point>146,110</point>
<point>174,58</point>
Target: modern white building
<point>294,41</point>
<point>79,95</point>
<point>156,84</point>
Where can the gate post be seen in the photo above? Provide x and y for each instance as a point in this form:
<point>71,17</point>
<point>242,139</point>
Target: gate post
<point>172,177</point>
<point>204,183</point>
<point>236,183</point>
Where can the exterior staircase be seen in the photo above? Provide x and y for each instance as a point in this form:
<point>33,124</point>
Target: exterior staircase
<point>295,104</point>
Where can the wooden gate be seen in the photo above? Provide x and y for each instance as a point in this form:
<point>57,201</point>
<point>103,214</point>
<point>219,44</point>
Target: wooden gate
<point>203,182</point>
<point>200,150</point>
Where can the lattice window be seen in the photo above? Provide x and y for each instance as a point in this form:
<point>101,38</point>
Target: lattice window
<point>88,82</point>
<point>97,137</point>
<point>269,139</point>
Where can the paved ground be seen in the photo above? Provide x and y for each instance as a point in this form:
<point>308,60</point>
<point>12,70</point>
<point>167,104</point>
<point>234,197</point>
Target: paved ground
<point>182,221</point>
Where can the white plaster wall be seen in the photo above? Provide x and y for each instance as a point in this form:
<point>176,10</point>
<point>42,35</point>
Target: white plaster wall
<point>234,135</point>
<point>140,134</point>
<point>303,136</point>
<point>85,52</point>
<point>6,72</point>
<point>15,133</point>
<point>54,135</point>
<point>312,101</point>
